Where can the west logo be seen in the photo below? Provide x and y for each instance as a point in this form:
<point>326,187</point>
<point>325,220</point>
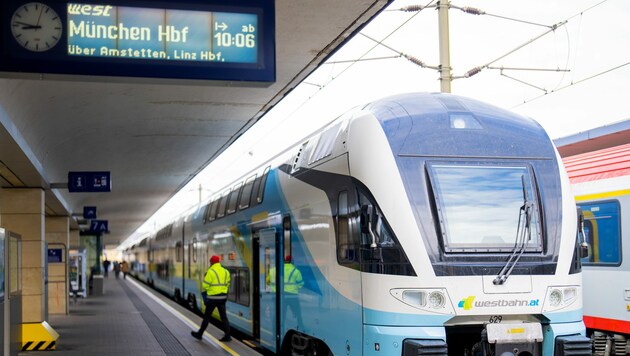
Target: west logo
<point>90,10</point>
<point>467,303</point>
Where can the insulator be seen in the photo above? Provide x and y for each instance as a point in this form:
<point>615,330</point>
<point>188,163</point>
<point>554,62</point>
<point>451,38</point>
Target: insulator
<point>412,8</point>
<point>472,72</point>
<point>414,60</point>
<point>472,10</point>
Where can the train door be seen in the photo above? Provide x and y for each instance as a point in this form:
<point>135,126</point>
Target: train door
<point>202,267</point>
<point>269,262</point>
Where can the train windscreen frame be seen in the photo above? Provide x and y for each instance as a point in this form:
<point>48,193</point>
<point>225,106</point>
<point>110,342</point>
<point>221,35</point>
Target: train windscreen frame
<point>479,205</point>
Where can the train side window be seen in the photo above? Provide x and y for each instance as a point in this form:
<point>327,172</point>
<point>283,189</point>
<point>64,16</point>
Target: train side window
<point>267,269</point>
<point>164,233</point>
<point>602,227</point>
<point>261,189</point>
<point>222,204</point>
<point>179,251</point>
<point>347,245</point>
<point>206,212</point>
<point>194,250</point>
<point>212,214</point>
<point>286,235</point>
<point>246,194</point>
<point>255,191</point>
<point>233,199</point>
<point>380,251</point>
<point>243,287</point>
<point>233,284</point>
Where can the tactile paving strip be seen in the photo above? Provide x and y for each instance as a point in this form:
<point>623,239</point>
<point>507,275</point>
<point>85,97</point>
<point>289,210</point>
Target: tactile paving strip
<point>165,338</point>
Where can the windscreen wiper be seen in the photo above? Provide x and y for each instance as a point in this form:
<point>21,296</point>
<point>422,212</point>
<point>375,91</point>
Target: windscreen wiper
<point>523,235</point>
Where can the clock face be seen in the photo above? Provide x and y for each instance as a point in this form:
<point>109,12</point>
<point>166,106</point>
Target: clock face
<point>36,27</point>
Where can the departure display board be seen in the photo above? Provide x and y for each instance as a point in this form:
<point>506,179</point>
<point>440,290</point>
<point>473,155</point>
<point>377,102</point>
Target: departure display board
<point>228,41</point>
<point>145,33</point>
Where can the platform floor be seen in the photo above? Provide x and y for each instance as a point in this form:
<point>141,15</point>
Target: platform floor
<point>130,319</point>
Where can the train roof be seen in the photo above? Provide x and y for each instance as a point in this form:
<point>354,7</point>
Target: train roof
<point>607,136</point>
<point>600,164</point>
<point>446,125</point>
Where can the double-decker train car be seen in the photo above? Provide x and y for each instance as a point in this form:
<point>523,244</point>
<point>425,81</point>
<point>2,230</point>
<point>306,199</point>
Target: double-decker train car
<point>419,223</point>
<point>601,184</point>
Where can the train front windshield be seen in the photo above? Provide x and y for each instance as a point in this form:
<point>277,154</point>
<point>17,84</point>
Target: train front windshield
<point>480,207</point>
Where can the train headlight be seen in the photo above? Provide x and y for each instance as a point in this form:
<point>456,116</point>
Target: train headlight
<point>436,300</point>
<point>414,297</point>
<point>560,297</point>
<point>555,298</point>
<point>569,295</point>
<point>433,300</point>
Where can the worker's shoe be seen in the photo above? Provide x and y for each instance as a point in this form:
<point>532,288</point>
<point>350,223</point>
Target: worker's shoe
<point>196,335</point>
<point>225,338</point>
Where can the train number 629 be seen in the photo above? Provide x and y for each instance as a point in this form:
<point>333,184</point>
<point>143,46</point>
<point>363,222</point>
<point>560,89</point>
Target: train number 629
<point>495,319</point>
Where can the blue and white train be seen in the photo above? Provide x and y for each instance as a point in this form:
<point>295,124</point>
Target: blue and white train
<point>420,224</point>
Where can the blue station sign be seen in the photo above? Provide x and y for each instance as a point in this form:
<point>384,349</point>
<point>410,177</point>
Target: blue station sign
<point>89,182</point>
<point>195,39</point>
<point>99,226</point>
<point>55,255</point>
<point>89,212</point>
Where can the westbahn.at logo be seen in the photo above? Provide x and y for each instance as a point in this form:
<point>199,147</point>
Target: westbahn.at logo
<point>469,303</point>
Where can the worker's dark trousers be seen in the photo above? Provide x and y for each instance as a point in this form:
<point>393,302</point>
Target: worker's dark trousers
<point>210,305</point>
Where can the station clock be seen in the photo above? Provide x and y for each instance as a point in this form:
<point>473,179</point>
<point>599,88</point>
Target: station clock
<point>36,26</point>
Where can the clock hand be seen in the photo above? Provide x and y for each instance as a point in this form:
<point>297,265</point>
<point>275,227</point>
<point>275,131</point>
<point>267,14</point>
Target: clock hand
<point>31,27</point>
<point>24,23</point>
<point>40,16</point>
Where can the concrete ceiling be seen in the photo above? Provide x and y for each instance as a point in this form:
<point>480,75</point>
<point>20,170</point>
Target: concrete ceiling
<point>152,137</point>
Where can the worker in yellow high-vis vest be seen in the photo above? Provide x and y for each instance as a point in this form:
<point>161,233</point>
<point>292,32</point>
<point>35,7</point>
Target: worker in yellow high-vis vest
<point>216,284</point>
<point>292,282</point>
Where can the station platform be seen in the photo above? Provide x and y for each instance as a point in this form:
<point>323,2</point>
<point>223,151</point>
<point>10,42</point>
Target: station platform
<point>131,319</point>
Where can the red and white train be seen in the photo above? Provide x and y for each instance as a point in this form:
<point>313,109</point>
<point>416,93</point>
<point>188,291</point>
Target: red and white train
<point>601,184</point>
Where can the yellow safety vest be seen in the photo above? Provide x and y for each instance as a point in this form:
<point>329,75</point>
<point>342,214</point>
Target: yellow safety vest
<point>217,280</point>
<point>292,279</point>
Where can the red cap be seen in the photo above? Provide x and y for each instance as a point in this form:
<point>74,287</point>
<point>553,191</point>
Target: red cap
<point>287,259</point>
<point>215,259</point>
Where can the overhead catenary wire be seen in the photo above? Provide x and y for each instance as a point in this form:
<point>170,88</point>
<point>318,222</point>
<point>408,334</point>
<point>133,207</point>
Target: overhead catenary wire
<point>502,69</point>
<point>575,82</point>
<point>559,88</point>
<point>380,43</point>
<point>478,69</point>
<point>363,60</point>
<point>475,11</point>
<point>409,57</point>
<point>468,10</point>
<point>551,28</point>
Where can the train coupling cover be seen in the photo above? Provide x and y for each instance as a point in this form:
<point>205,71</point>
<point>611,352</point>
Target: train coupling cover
<point>516,339</point>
